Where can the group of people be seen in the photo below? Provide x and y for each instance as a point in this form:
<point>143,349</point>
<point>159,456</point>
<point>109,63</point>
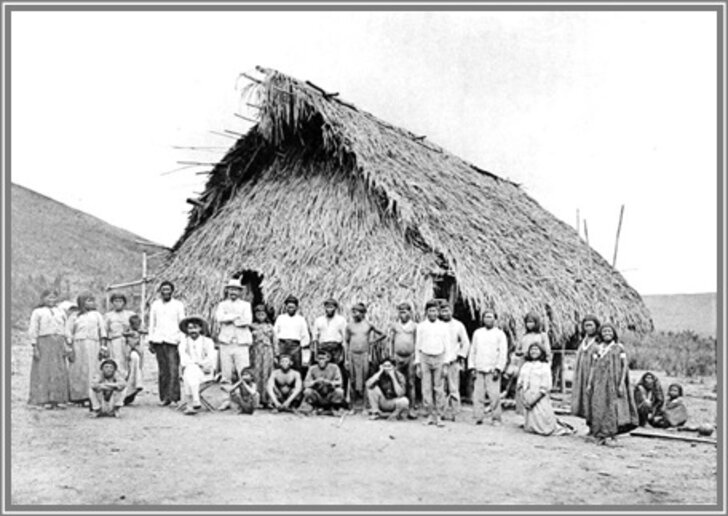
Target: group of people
<point>83,357</point>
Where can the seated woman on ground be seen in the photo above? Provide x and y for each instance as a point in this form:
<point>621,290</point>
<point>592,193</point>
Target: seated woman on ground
<point>649,398</point>
<point>674,413</point>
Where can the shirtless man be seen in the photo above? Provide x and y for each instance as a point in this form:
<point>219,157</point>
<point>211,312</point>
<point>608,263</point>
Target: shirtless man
<point>284,386</point>
<point>402,350</point>
<point>357,350</point>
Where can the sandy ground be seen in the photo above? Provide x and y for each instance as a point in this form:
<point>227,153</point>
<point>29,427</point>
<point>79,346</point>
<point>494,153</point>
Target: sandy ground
<point>155,455</point>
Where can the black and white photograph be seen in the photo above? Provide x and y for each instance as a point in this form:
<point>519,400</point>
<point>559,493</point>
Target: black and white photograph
<point>363,257</point>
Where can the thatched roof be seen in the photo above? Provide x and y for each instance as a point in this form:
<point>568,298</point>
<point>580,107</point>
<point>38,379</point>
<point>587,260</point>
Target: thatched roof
<point>324,199</point>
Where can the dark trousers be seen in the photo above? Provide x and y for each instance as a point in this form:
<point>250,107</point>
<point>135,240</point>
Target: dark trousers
<point>168,370</point>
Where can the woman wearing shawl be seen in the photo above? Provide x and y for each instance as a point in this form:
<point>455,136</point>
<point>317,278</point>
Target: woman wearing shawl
<point>674,412</point>
<point>611,406</point>
<point>534,386</point>
<point>584,362</point>
<point>534,335</point>
<point>86,333</point>
<point>48,371</point>
<point>648,397</point>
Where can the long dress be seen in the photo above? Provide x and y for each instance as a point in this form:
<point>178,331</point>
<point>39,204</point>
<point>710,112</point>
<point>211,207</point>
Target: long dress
<point>610,414</point>
<point>49,373</point>
<point>584,362</point>
<point>86,330</point>
<point>534,379</point>
<point>116,324</point>
<point>520,353</point>
<point>262,357</point>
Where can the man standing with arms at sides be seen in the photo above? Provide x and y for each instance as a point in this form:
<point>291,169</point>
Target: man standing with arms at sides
<point>234,316</point>
<point>430,347</point>
<point>402,351</point>
<point>328,335</point>
<point>488,360</point>
<point>165,315</point>
<point>456,353</point>
<point>291,330</point>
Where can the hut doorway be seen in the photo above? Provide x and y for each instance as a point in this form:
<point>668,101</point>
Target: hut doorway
<point>251,281</point>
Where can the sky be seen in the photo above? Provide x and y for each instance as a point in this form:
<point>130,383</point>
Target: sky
<point>587,111</point>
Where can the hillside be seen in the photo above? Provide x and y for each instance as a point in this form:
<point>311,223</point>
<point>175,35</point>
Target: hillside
<point>55,245</point>
<point>676,312</point>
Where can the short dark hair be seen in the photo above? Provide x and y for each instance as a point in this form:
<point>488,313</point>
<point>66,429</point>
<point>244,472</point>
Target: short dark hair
<point>404,306</point>
<point>387,359</point>
<point>135,317</point>
<point>677,386</point>
<point>248,370</point>
<point>166,283</point>
<point>541,357</point>
<point>490,311</point>
<point>432,303</point>
<point>117,295</point>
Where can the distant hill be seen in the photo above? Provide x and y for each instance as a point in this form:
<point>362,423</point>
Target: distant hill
<point>676,312</point>
<point>55,245</point>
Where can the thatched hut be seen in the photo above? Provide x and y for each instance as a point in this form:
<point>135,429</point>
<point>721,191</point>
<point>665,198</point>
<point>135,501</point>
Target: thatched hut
<point>323,199</point>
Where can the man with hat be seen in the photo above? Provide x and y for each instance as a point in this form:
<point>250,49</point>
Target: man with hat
<point>329,331</point>
<point>107,390</point>
<point>322,386</point>
<point>234,317</point>
<point>291,330</point>
<point>197,359</point>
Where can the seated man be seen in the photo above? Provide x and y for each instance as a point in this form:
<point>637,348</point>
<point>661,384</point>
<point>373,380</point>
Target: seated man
<point>386,392</point>
<point>322,386</point>
<point>197,359</point>
<point>244,393</point>
<point>284,386</point>
<point>107,391</point>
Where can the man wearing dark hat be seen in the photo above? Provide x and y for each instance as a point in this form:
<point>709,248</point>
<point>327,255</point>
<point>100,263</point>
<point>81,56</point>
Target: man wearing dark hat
<point>329,331</point>
<point>291,330</point>
<point>197,358</point>
<point>322,386</point>
<point>234,317</point>
<point>107,390</point>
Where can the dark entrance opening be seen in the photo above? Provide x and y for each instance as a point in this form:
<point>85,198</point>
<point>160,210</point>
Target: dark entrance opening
<point>251,281</point>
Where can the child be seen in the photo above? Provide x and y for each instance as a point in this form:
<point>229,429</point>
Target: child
<point>197,359</point>
<point>402,350</point>
<point>357,348</point>
<point>674,413</point>
<point>264,344</point>
<point>117,323</point>
<point>244,394</point>
<point>107,391</point>
<point>134,358</point>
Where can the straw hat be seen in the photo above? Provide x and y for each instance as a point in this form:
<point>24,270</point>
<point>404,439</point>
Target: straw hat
<point>234,283</point>
<point>197,319</point>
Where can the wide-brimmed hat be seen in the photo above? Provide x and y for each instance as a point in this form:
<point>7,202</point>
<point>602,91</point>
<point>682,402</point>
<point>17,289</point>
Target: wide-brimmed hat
<point>198,319</point>
<point>291,299</point>
<point>233,283</point>
<point>331,301</point>
<point>108,361</point>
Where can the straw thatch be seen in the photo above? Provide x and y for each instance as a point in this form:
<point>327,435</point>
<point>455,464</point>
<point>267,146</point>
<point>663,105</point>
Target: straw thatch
<point>323,199</point>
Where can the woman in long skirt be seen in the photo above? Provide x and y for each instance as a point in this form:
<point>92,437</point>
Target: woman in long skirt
<point>48,370</point>
<point>534,335</point>
<point>116,324</point>
<point>264,342</point>
<point>86,332</point>
<point>584,361</point>
<point>534,384</point>
<point>612,409</point>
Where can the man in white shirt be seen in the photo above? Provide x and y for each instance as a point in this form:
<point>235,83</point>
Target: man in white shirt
<point>291,331</point>
<point>197,358</point>
<point>165,314</point>
<point>458,346</point>
<point>328,335</point>
<point>234,317</point>
<point>430,346</point>
<point>488,360</point>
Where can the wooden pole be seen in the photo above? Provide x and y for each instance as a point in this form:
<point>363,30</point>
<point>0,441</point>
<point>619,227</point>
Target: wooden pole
<point>144,287</point>
<point>616,241</point>
<point>578,223</point>
<point>586,235</point>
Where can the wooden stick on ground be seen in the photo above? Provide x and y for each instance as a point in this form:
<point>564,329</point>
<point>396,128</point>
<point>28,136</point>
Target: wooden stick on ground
<point>674,437</point>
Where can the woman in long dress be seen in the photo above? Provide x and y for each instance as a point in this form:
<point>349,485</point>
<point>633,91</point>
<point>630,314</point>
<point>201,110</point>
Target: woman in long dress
<point>264,344</point>
<point>48,370</point>
<point>116,324</point>
<point>534,384</point>
<point>584,361</point>
<point>612,409</point>
<point>534,335</point>
<point>86,332</point>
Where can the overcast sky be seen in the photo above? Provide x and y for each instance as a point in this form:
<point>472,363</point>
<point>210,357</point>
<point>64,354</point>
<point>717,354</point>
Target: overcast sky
<point>588,111</point>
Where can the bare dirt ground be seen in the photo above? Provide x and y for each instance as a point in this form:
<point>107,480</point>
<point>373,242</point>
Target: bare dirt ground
<point>155,455</point>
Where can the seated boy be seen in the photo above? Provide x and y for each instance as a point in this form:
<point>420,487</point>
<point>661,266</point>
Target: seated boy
<point>284,386</point>
<point>107,391</point>
<point>322,386</point>
<point>386,392</point>
<point>244,394</point>
<point>197,359</point>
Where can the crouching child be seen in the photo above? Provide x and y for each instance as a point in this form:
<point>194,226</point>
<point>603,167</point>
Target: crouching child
<point>244,395</point>
<point>107,391</point>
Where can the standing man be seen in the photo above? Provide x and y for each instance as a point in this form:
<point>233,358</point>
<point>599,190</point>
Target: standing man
<point>165,315</point>
<point>234,317</point>
<point>456,354</point>
<point>430,347</point>
<point>402,350</point>
<point>488,360</point>
<point>329,331</point>
<point>291,330</point>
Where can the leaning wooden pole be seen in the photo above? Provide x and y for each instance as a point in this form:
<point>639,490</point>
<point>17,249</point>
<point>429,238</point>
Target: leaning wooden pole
<point>616,241</point>
<point>586,235</point>
<point>142,308</point>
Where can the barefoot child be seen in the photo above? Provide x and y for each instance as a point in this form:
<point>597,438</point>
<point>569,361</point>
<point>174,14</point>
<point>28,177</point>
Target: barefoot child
<point>357,348</point>
<point>402,350</point>
<point>244,394</point>
<point>106,391</point>
<point>134,358</point>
